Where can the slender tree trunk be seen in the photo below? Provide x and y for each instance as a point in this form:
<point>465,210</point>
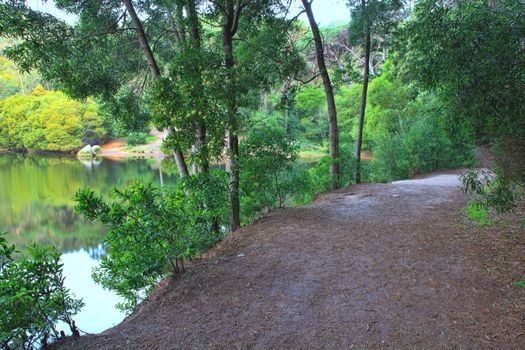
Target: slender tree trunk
<point>228,31</point>
<point>285,103</point>
<point>177,22</point>
<point>155,72</point>
<point>332,112</point>
<point>22,88</point>
<point>200,127</point>
<point>359,139</point>
<point>143,40</point>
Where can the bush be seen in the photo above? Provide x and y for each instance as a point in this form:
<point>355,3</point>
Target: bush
<point>137,138</point>
<point>152,231</point>
<point>490,190</point>
<point>33,298</point>
<point>269,178</point>
<point>418,144</point>
<point>479,213</point>
<point>319,175</point>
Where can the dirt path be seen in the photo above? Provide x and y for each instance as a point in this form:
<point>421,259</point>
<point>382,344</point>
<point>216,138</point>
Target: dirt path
<point>392,266</point>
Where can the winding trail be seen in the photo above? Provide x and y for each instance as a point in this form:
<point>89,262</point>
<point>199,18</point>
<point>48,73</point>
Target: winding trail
<point>394,266</point>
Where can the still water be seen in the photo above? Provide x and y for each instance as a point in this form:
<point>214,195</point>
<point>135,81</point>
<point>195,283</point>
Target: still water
<point>36,205</point>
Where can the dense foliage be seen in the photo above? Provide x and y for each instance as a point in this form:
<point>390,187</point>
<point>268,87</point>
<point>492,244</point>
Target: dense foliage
<point>238,82</point>
<point>13,82</point>
<point>50,121</point>
<point>33,298</point>
<point>152,231</point>
<point>471,54</point>
<point>270,178</point>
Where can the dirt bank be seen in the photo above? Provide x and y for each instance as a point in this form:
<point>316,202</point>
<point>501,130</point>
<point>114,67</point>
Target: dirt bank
<point>369,267</point>
<point>119,149</point>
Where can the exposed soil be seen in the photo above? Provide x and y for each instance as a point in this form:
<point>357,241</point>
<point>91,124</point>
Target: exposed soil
<point>394,266</point>
<point>118,148</point>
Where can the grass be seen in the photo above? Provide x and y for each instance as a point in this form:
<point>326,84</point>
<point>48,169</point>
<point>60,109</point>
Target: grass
<point>519,284</point>
<point>311,154</point>
<point>476,212</point>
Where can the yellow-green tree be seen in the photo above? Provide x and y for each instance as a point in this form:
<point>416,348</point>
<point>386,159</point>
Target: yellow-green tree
<point>50,121</point>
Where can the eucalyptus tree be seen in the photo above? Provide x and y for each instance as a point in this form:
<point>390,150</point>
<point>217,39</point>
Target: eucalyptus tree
<point>329,93</point>
<point>253,37</point>
<point>369,18</point>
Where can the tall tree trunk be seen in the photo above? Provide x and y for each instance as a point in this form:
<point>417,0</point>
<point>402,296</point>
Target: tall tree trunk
<point>285,104</point>
<point>155,72</point>
<point>359,139</point>
<point>328,90</point>
<point>200,127</point>
<point>231,18</point>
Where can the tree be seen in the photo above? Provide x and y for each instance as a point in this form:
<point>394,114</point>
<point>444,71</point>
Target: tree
<point>49,121</point>
<point>155,72</point>
<point>253,61</point>
<point>332,112</point>
<point>471,54</point>
<point>369,17</point>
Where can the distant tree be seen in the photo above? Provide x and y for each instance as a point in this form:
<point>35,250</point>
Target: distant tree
<point>49,121</point>
<point>369,17</point>
<point>329,93</point>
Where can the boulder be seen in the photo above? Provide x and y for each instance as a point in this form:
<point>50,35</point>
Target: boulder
<point>87,150</point>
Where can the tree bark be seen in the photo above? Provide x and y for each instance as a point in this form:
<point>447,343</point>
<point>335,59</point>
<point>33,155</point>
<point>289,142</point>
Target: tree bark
<point>362,110</point>
<point>332,112</point>
<point>200,126</point>
<point>155,72</point>
<point>285,104</point>
<point>229,27</point>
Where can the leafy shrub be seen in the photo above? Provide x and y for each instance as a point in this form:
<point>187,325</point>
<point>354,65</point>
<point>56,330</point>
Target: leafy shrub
<point>267,176</point>
<point>416,143</point>
<point>137,138</point>
<point>391,159</point>
<point>490,190</point>
<point>33,298</point>
<point>319,175</point>
<point>479,213</point>
<point>151,231</point>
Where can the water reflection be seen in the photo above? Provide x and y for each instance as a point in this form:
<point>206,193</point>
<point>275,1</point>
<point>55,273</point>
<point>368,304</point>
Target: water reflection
<point>99,312</point>
<point>36,205</point>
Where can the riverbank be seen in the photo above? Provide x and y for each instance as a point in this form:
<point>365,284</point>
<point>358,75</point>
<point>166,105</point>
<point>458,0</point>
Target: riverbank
<point>118,148</point>
<point>375,265</point>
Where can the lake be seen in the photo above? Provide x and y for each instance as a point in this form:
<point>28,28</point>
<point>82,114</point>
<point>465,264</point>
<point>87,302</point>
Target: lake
<point>36,205</point>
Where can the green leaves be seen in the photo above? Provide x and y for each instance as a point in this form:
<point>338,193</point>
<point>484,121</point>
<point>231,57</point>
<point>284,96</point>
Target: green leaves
<point>268,177</point>
<point>49,121</point>
<point>151,231</point>
<point>33,297</point>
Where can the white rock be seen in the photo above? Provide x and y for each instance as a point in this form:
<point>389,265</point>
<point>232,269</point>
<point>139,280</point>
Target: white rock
<point>86,150</point>
<point>241,255</point>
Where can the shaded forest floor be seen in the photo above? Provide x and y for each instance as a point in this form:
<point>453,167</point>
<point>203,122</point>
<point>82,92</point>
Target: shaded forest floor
<point>368,267</point>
